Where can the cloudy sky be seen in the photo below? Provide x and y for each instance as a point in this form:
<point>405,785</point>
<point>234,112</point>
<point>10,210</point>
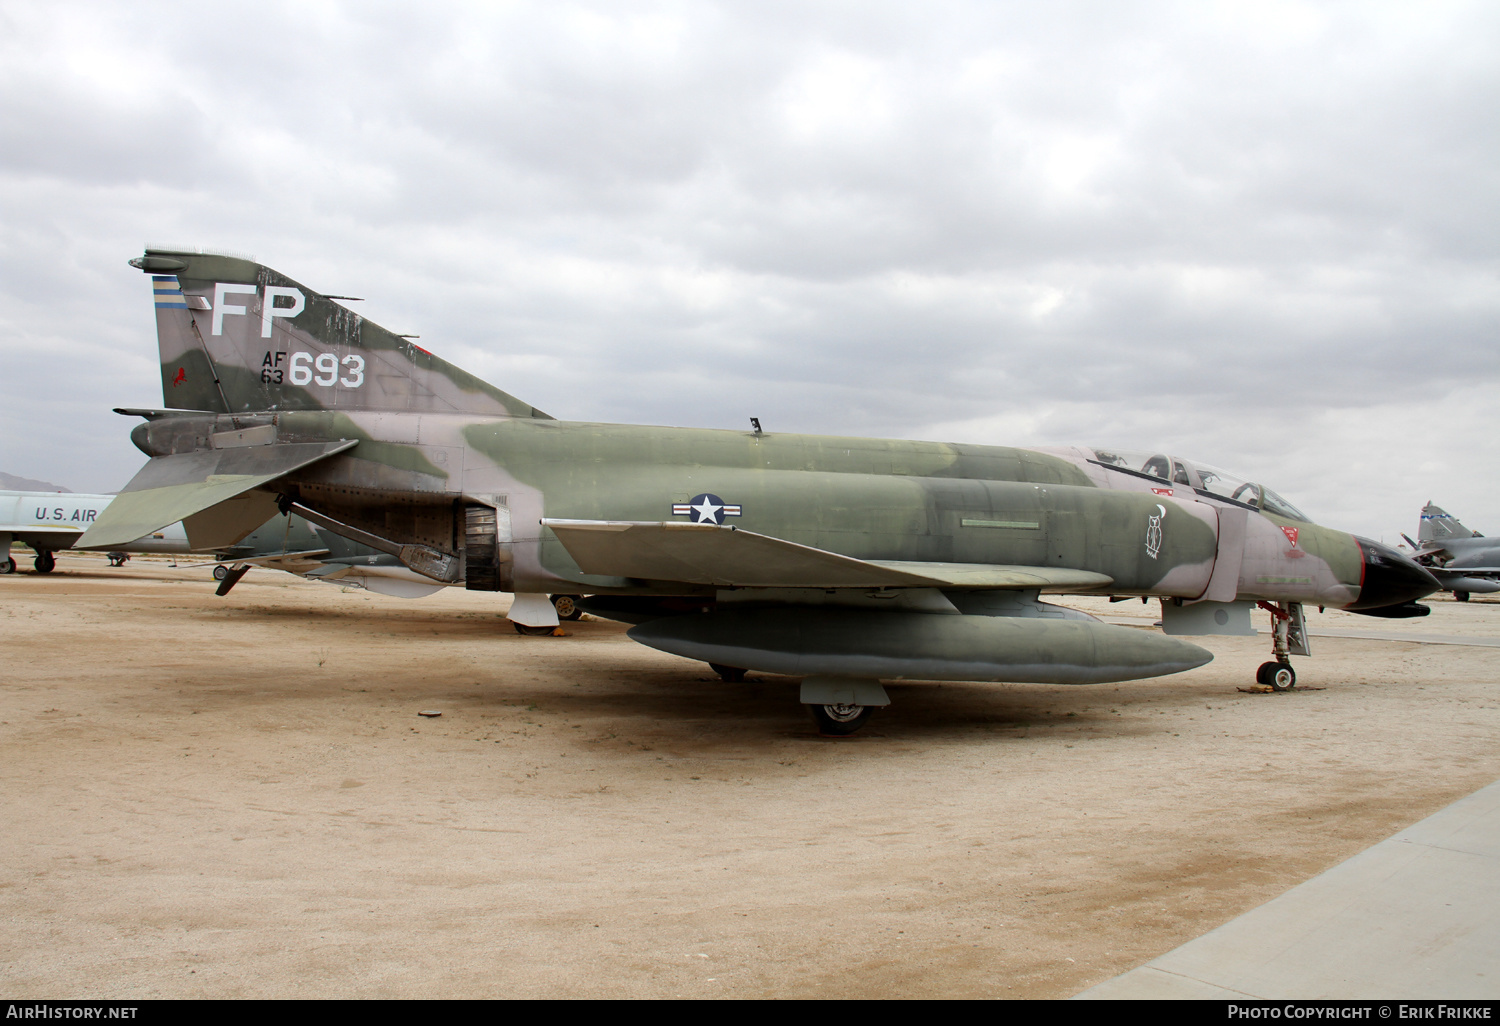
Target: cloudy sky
<point>1260,235</point>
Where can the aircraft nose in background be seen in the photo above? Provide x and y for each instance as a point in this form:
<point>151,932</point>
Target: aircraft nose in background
<point>1390,579</point>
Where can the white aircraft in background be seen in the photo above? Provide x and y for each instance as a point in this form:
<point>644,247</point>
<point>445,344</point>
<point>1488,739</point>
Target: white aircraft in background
<point>47,522</point>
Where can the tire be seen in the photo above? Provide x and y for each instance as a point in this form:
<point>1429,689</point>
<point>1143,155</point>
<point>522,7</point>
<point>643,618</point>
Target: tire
<point>45,562</point>
<point>1460,596</point>
<point>840,720</point>
<point>1277,676</point>
<point>220,572</point>
<point>7,566</point>
<point>530,631</point>
<point>728,674</point>
<point>567,606</point>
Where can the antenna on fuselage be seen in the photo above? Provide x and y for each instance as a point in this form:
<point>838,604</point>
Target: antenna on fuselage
<point>755,423</point>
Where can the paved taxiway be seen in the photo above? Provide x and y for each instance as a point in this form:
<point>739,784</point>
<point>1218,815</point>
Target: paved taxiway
<point>1413,917</point>
<point>237,797</point>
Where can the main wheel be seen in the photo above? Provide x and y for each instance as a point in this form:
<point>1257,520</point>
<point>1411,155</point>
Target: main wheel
<point>7,565</point>
<point>117,558</point>
<point>840,720</point>
<point>1460,596</point>
<point>220,572</point>
<point>728,674</point>
<point>1277,676</point>
<point>567,606</point>
<point>530,631</point>
<point>45,562</point>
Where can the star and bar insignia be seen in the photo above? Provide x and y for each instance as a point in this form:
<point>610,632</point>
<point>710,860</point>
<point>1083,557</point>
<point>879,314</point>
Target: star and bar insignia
<point>705,509</point>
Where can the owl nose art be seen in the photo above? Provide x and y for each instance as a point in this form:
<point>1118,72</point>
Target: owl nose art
<point>1390,579</point>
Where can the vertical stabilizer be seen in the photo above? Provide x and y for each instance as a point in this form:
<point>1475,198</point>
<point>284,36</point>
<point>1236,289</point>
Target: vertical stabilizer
<point>188,378</point>
<point>236,336</point>
<point>1437,526</point>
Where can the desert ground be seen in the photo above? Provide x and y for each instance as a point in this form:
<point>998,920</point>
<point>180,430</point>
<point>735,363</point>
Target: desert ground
<point>237,797</point>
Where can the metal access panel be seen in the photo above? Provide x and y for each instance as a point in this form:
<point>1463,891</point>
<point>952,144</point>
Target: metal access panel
<point>1224,618</point>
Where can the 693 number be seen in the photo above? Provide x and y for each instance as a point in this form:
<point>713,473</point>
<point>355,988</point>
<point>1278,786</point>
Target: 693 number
<point>305,369</point>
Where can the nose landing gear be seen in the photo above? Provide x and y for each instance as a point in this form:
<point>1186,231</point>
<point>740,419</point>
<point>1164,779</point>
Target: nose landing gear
<point>1288,638</point>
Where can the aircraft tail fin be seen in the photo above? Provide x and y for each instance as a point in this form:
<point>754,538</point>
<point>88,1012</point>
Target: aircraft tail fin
<point>1438,525</point>
<point>236,336</point>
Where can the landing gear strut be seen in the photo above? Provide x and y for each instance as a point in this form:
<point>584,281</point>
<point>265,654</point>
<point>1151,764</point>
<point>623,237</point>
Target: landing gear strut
<point>118,558</point>
<point>1288,637</point>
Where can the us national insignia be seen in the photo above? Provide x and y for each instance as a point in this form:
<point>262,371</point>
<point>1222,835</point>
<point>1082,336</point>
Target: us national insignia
<point>705,509</point>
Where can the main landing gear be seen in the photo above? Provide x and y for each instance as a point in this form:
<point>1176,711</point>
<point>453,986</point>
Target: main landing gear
<point>1288,638</point>
<point>841,705</point>
<point>840,719</point>
<point>7,565</point>
<point>118,558</point>
<point>567,609</point>
<point>45,562</point>
<point>567,606</point>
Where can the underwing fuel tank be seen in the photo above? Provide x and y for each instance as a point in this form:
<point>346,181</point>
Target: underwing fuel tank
<point>921,646</point>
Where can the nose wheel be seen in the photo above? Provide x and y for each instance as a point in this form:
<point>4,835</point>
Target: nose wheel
<point>1276,676</point>
<point>45,562</point>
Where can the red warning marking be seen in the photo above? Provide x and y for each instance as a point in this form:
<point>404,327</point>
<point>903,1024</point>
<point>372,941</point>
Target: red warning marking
<point>180,378</point>
<point>1291,535</point>
<point>1163,491</point>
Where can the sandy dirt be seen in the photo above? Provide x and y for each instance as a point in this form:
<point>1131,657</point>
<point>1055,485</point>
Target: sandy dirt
<point>236,797</point>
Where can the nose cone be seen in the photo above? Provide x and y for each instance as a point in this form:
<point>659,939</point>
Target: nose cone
<point>1390,579</point>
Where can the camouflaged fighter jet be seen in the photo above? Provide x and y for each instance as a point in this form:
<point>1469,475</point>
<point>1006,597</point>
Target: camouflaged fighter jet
<point>1465,562</point>
<point>845,561</point>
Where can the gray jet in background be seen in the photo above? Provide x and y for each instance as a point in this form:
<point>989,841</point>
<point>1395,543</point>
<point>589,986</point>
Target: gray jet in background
<point>1465,562</point>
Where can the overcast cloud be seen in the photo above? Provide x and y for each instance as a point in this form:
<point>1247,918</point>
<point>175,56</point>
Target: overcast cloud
<point>1259,235</point>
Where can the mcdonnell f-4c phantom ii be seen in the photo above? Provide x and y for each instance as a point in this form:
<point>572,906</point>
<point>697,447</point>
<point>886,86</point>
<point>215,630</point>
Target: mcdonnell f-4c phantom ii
<point>1465,562</point>
<point>844,561</point>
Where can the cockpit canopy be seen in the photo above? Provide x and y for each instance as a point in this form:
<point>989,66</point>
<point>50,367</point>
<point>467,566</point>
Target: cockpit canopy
<point>1199,476</point>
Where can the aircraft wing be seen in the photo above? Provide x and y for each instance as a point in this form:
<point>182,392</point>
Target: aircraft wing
<point>725,557</point>
<point>989,575</point>
<point>173,488</point>
<point>1441,572</point>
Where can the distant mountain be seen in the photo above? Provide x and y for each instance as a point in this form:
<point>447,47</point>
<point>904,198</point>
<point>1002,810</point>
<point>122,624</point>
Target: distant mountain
<point>10,482</point>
